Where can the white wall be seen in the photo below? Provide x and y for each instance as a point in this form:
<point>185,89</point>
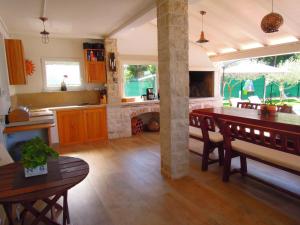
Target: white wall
<point>34,50</point>
<point>140,44</point>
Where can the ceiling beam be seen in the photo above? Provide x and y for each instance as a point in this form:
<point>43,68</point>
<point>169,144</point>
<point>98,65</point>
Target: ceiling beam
<point>143,16</point>
<point>259,52</point>
<point>3,29</point>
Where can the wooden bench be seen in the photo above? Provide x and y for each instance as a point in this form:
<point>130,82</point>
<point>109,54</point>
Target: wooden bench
<point>202,128</point>
<point>275,147</point>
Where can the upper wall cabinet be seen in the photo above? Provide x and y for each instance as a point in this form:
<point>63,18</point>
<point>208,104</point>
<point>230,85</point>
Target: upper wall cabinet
<point>94,66</point>
<point>15,61</point>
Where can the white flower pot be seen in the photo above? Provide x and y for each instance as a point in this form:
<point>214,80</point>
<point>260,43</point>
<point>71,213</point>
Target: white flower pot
<point>39,170</point>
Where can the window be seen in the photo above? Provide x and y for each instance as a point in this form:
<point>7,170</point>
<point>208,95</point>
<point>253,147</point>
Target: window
<point>137,78</point>
<point>55,71</point>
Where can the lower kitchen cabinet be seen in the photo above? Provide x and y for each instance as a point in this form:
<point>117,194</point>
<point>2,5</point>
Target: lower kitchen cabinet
<point>95,124</point>
<point>79,126</point>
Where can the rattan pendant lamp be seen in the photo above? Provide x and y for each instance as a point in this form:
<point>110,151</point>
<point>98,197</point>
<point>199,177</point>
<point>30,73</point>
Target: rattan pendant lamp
<point>271,22</point>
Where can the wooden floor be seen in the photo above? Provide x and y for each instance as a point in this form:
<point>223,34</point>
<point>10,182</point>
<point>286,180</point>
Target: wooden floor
<point>125,187</point>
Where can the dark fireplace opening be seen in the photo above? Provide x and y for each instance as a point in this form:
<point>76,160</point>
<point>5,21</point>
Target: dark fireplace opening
<point>201,84</point>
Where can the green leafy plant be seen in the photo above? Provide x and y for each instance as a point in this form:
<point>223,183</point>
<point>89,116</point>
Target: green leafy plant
<point>269,101</point>
<point>36,153</point>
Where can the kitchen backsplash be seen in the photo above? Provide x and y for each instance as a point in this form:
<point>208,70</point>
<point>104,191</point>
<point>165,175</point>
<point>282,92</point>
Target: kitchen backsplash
<point>53,99</point>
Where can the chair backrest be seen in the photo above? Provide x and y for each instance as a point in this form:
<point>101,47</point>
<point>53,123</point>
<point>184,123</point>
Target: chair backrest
<point>248,105</point>
<point>234,101</point>
<point>205,123</point>
<point>269,137</point>
<point>4,156</point>
<point>285,109</point>
<point>197,120</point>
<point>254,99</point>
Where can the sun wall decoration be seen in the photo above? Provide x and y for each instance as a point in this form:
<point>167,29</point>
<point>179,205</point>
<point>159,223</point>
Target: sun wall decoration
<point>30,67</point>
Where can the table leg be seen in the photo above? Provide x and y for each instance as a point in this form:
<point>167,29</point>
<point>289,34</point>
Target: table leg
<point>66,216</point>
<point>8,210</point>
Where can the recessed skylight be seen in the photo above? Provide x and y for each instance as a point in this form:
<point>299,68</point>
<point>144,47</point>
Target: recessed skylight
<point>251,45</point>
<point>227,50</point>
<point>211,53</point>
<point>283,40</point>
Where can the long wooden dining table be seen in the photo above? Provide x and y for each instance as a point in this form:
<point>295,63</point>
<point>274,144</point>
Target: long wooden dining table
<point>283,121</point>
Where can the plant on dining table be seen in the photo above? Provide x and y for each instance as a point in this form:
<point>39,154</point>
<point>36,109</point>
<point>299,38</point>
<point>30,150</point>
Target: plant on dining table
<point>36,153</point>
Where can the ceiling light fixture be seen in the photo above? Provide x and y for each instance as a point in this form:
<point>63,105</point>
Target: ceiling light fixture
<point>251,45</point>
<point>44,33</point>
<point>211,54</point>
<point>271,22</point>
<point>227,50</point>
<point>202,38</point>
<point>283,40</point>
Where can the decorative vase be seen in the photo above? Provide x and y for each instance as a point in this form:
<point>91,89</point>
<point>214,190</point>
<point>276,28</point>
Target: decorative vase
<point>39,170</point>
<point>263,109</point>
<point>153,125</point>
<point>271,109</point>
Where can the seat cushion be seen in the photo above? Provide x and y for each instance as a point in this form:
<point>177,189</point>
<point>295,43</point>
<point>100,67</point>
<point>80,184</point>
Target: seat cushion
<point>213,136</point>
<point>279,158</point>
<point>195,131</point>
<point>196,146</point>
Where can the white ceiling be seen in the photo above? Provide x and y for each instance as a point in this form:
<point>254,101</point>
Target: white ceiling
<point>229,24</point>
<point>72,18</point>
<point>236,23</point>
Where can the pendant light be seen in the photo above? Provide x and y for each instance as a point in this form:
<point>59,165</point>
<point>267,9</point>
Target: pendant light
<point>202,37</point>
<point>44,33</point>
<point>271,22</point>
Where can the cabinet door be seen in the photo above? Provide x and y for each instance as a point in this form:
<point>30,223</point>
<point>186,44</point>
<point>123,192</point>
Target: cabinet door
<point>70,127</point>
<point>96,72</point>
<point>15,61</point>
<point>95,124</point>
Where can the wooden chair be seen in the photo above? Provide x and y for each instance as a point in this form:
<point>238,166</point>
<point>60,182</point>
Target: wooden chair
<point>202,128</point>
<point>279,148</point>
<point>248,105</point>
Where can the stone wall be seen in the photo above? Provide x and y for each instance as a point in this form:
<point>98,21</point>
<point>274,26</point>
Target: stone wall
<point>114,79</point>
<point>119,116</point>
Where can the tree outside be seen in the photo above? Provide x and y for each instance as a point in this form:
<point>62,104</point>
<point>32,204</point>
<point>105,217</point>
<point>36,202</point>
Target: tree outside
<point>287,82</point>
<point>137,78</point>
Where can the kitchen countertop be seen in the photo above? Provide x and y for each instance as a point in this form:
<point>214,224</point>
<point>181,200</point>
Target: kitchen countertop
<point>33,121</point>
<point>58,108</point>
<point>74,107</point>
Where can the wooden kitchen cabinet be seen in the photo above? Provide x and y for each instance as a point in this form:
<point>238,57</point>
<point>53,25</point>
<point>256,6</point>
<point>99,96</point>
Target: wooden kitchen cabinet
<point>94,64</point>
<point>95,124</point>
<point>95,72</point>
<point>81,125</point>
<point>70,127</point>
<point>15,61</point>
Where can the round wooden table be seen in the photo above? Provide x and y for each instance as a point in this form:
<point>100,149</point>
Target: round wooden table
<point>63,174</point>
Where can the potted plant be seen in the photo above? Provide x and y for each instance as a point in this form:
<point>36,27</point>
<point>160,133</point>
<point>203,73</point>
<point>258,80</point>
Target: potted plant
<point>271,107</point>
<point>35,154</point>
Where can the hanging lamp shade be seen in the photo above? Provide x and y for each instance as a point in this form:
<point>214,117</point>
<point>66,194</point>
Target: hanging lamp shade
<point>271,22</point>
<point>202,36</point>
<point>44,33</point>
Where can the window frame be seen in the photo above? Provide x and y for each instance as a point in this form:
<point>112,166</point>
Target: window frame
<point>129,62</point>
<point>70,88</point>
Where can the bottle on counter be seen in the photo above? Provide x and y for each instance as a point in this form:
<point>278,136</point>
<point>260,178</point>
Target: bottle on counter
<point>63,86</point>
